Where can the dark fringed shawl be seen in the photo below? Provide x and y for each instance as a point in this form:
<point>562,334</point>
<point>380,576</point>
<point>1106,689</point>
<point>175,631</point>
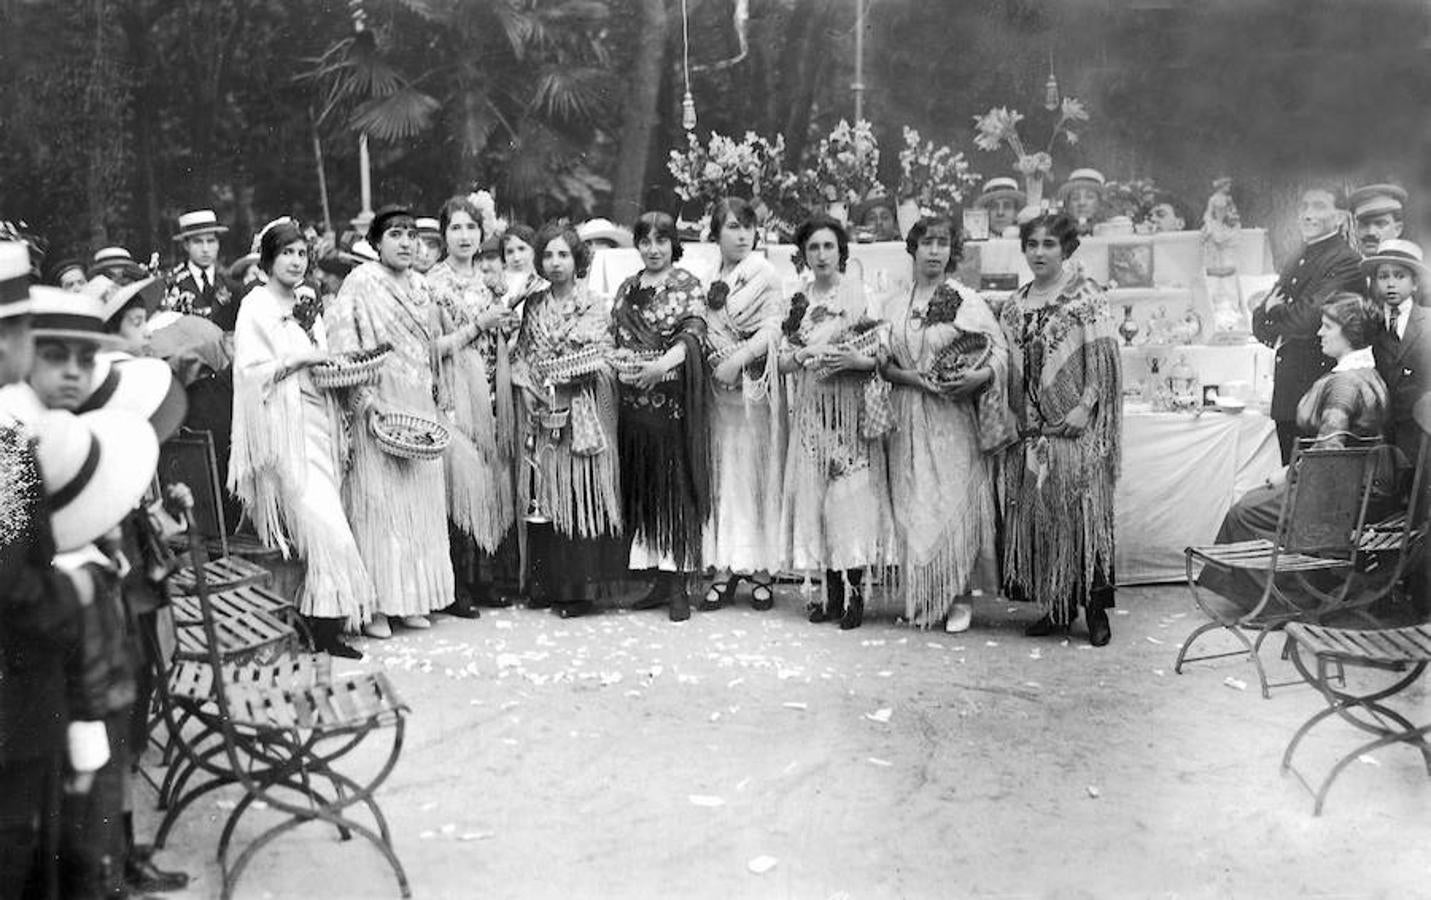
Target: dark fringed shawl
<point>667,501</point>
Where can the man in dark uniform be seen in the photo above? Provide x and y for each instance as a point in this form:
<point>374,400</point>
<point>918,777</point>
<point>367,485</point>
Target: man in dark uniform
<point>1288,319</point>
<point>39,625</point>
<point>200,286</point>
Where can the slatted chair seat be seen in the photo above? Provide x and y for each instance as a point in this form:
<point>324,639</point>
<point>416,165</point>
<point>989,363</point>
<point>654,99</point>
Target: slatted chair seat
<point>192,681</point>
<point>1259,554</point>
<point>240,636</point>
<point>220,574</point>
<point>232,602</point>
<point>352,703</point>
<point>1405,651</point>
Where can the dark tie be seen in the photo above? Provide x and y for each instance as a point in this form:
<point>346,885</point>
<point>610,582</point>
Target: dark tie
<point>1395,314</point>
<point>204,280</point>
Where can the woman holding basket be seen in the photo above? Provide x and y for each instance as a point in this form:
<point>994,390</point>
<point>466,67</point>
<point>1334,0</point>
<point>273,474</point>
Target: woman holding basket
<point>948,362</point>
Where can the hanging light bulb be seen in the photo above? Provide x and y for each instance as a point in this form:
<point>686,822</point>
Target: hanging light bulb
<point>1050,93</point>
<point>688,112</point>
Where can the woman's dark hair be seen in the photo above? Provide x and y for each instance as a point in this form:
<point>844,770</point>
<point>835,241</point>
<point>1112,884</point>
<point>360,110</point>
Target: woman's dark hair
<point>580,253</point>
<point>1358,318</point>
<point>818,222</point>
<point>387,217</point>
<point>455,205</point>
<point>743,211</point>
<point>927,224</point>
<point>274,240</point>
<point>657,225</point>
<point>522,233</point>
<point>1057,224</point>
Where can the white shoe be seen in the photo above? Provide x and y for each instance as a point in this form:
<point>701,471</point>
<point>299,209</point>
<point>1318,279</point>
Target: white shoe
<point>418,622</point>
<point>961,616</point>
<point>378,628</point>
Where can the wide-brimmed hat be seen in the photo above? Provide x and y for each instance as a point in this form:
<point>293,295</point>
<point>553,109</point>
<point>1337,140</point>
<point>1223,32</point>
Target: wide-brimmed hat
<point>1399,252</point>
<point>143,386</point>
<point>1375,199</point>
<point>197,222</point>
<point>67,316</point>
<point>1000,188</point>
<point>1082,178</point>
<point>95,469</point>
<point>109,260</point>
<point>428,226</point>
<point>363,251</point>
<point>604,230</point>
<point>14,279</point>
<point>149,291</point>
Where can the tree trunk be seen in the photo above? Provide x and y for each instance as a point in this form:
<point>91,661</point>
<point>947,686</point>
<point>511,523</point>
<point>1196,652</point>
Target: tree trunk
<point>807,48</point>
<point>642,113</point>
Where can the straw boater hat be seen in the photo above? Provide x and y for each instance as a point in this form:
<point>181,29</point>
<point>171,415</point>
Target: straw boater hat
<point>14,279</point>
<point>145,387</point>
<point>998,189</point>
<point>1082,178</point>
<point>67,316</point>
<point>1375,199</point>
<point>200,221</point>
<point>1401,253</point>
<point>58,270</point>
<point>112,259</point>
<point>604,230</point>
<point>95,469</point>
<point>428,227</point>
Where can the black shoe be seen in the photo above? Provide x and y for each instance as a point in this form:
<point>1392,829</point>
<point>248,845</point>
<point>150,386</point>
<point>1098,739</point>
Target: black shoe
<point>538,601</point>
<point>341,650</point>
<point>1099,631</point>
<point>140,874</point>
<point>1044,627</point>
<point>463,608</point>
<point>834,608</point>
<point>492,600</point>
<point>719,594</point>
<point>680,605</point>
<point>657,596</point>
<point>854,615</point>
<point>762,598</point>
<point>574,609</point>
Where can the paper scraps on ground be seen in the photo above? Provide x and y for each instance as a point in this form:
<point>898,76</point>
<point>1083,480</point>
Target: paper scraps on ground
<point>762,864</point>
<point>706,800</point>
<point>1236,684</point>
<point>875,760</point>
<point>1094,792</point>
<point>795,704</point>
<point>880,715</point>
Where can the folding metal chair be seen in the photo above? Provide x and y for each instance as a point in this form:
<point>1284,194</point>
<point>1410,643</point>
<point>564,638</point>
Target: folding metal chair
<point>1405,652</point>
<point>1319,529</point>
<point>282,726</point>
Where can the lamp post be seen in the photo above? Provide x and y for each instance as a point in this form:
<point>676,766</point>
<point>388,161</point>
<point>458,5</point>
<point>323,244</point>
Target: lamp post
<point>365,177</point>
<point>859,84</point>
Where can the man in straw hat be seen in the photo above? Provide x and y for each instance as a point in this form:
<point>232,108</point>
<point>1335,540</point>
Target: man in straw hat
<point>1378,211</point>
<point>116,264</point>
<point>1002,199</point>
<point>1399,277</point>
<point>39,615</point>
<point>200,285</point>
<point>429,244</point>
<point>1081,196</point>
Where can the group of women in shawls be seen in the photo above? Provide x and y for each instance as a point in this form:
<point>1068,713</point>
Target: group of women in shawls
<point>720,422</point>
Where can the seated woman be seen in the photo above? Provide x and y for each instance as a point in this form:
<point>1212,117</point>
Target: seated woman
<point>1348,400</point>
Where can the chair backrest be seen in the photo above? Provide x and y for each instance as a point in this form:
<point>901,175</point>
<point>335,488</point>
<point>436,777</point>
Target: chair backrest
<point>1327,496</point>
<point>188,458</point>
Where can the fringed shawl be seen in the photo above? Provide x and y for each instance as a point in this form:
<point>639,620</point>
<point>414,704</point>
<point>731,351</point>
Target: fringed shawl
<point>1060,490</point>
<point>654,324</point>
<point>749,317</point>
<point>581,489</point>
<point>266,458</point>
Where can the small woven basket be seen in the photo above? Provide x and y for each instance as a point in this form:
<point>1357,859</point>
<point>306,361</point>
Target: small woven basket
<point>351,369</point>
<point>408,436</point>
<point>629,362</point>
<point>574,365</point>
<point>969,351</point>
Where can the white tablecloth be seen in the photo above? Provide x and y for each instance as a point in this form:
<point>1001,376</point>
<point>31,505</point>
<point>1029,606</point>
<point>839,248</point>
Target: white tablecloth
<point>1180,475</point>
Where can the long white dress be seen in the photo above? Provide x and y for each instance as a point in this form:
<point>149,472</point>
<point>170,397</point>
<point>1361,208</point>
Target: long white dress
<point>747,430</point>
<point>284,460</point>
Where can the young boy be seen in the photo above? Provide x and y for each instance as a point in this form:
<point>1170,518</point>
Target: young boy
<point>1399,276</point>
<point>429,245</point>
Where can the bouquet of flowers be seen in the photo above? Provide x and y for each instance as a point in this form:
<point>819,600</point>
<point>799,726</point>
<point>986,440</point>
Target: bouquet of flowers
<point>943,307</point>
<point>723,165</point>
<point>1134,199</point>
<point>1000,126</point>
<point>847,162</point>
<point>933,176</point>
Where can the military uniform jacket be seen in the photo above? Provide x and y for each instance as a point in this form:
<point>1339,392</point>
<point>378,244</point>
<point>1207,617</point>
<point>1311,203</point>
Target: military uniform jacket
<point>39,610</point>
<point>1321,269</point>
<point>219,304</point>
<point>1405,366</point>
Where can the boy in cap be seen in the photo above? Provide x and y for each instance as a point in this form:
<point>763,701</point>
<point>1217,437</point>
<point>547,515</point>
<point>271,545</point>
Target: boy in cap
<point>200,286</point>
<point>39,619</point>
<point>429,244</point>
<point>1002,198</point>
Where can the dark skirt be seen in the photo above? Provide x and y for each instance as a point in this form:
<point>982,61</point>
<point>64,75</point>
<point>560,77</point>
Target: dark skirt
<point>566,568</point>
<point>658,492</point>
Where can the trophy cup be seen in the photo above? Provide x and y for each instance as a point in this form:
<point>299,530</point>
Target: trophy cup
<point>542,438</point>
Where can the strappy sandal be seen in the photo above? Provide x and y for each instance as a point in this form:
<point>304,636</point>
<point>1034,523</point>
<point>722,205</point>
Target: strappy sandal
<point>762,598</point>
<point>718,594</point>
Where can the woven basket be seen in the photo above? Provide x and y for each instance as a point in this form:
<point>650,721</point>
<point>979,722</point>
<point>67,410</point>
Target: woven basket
<point>969,351</point>
<point>574,365</point>
<point>351,369</point>
<point>629,362</point>
<point>411,437</point>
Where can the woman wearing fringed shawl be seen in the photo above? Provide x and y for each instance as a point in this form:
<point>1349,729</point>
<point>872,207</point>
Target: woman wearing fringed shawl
<point>474,389</point>
<point>950,415</point>
<point>576,481</point>
<point>743,314</point>
<point>659,326</point>
<point>396,506</point>
<point>288,443</point>
<point>835,512</point>
<point>1065,386</point>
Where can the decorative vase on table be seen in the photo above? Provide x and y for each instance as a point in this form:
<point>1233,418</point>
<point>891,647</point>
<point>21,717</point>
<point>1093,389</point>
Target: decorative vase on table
<point>907,214</point>
<point>1033,191</point>
<point>1128,328</point>
<point>839,212</point>
<point>1183,385</point>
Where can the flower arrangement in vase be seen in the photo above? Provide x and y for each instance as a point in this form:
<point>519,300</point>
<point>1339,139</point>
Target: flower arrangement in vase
<point>723,166</point>
<point>847,164</point>
<point>999,126</point>
<point>934,177</point>
<point>1134,198</point>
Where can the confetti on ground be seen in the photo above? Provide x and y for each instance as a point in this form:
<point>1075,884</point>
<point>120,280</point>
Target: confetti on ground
<point>1235,683</point>
<point>715,717</point>
<point>1094,792</point>
<point>991,643</point>
<point>1034,654</point>
<point>427,835</point>
<point>448,829</point>
<point>1159,672</point>
<point>934,645</point>
<point>706,800</point>
<point>428,807</point>
<point>744,783</point>
<point>1369,760</point>
<point>885,673</point>
<point>880,715</point>
<point>1152,640</point>
<point>477,835</point>
<point>1120,612</point>
<point>795,704</point>
<point>875,760</point>
<point>762,864</point>
<point>226,804</point>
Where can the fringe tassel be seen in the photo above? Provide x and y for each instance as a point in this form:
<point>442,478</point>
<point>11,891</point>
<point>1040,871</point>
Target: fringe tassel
<point>655,495</point>
<point>931,586</point>
<point>582,493</point>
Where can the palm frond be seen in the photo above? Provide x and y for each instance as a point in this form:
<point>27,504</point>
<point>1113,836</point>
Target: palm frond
<point>401,114</point>
<point>569,94</point>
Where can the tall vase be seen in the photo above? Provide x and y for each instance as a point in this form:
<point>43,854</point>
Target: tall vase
<point>1033,190</point>
<point>839,212</point>
<point>907,214</point>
